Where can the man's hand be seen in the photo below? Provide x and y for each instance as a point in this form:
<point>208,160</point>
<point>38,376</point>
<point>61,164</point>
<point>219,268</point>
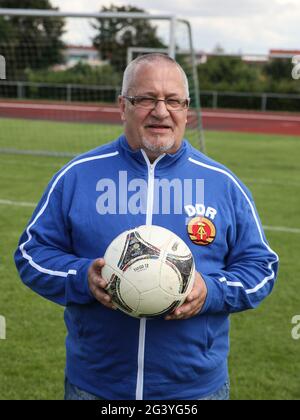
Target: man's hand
<point>97,284</point>
<point>193,303</point>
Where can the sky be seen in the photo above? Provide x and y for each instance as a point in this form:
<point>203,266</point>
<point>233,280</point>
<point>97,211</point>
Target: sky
<point>239,26</point>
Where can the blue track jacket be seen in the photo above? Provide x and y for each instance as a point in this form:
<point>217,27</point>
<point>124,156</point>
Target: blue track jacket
<point>108,190</point>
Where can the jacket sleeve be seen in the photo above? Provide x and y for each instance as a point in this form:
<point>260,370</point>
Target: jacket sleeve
<point>44,257</point>
<point>251,265</point>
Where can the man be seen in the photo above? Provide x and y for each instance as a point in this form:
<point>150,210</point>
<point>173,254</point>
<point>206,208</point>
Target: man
<point>109,354</point>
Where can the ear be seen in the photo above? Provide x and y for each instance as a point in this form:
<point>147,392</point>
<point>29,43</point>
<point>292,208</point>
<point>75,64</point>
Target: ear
<point>122,107</point>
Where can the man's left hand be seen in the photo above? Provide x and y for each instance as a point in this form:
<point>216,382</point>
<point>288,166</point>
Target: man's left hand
<point>193,303</point>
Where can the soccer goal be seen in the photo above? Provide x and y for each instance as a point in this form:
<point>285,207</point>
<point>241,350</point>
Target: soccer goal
<point>64,72</point>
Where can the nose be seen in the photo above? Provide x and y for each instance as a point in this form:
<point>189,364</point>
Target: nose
<point>160,111</point>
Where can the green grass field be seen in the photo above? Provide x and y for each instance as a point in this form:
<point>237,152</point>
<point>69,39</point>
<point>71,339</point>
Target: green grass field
<point>264,360</point>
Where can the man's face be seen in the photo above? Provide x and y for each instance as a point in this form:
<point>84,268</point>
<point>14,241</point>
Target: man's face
<point>158,130</point>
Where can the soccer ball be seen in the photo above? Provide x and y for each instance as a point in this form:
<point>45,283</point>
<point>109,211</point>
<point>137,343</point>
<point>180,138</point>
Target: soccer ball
<point>149,271</point>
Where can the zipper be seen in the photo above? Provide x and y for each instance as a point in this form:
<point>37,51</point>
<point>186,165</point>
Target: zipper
<point>143,321</point>
<point>151,180</point>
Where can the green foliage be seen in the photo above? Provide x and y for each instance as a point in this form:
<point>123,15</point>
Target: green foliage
<point>223,73</point>
<point>30,42</point>
<point>25,4</point>
<point>228,73</point>
<point>278,69</point>
<point>81,73</point>
<point>116,35</point>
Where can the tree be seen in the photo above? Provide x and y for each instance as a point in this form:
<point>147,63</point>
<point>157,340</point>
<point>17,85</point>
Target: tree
<point>30,42</point>
<point>279,69</point>
<point>80,74</point>
<point>115,36</point>
<point>227,73</point>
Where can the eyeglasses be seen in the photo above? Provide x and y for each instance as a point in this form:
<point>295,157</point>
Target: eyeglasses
<point>147,102</point>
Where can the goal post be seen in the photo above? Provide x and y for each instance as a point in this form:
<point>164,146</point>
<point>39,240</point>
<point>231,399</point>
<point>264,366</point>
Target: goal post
<point>60,92</point>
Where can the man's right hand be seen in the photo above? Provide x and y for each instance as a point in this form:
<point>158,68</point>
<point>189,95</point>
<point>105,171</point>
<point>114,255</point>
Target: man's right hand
<point>97,284</point>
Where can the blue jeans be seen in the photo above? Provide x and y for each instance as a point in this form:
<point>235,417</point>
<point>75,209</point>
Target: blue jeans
<point>74,393</point>
<point>223,394</point>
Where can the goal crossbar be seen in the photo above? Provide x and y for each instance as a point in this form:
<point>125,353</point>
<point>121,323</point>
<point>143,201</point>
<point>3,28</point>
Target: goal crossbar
<point>172,47</point>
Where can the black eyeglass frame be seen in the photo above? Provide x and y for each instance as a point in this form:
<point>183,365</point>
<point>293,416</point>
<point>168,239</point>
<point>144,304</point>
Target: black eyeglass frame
<point>183,103</point>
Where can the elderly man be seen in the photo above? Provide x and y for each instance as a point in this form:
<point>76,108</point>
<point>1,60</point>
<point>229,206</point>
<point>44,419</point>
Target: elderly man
<point>109,354</point>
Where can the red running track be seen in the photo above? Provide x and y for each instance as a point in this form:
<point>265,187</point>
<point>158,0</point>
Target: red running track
<point>222,120</point>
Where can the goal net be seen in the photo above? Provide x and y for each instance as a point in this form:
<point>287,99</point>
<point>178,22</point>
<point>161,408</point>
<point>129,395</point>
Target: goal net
<point>62,76</point>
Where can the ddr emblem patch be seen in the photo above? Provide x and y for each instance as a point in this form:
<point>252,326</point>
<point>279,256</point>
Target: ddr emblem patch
<point>201,231</point>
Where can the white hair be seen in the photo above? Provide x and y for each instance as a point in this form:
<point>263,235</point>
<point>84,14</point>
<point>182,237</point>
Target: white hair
<point>130,70</point>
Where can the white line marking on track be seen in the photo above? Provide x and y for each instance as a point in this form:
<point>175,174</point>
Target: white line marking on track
<point>49,107</point>
<point>231,115</point>
<point>207,114</point>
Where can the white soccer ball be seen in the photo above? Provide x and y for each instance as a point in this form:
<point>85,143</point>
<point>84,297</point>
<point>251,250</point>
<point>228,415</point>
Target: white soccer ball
<point>149,271</point>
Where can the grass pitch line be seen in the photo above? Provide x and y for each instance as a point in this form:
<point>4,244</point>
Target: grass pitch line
<point>2,328</point>
<point>282,229</point>
<point>270,182</point>
<point>33,205</point>
<point>16,203</point>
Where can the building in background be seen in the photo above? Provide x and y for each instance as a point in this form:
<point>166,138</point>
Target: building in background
<point>283,53</point>
<point>75,54</point>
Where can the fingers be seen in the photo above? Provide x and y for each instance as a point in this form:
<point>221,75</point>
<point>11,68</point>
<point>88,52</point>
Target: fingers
<point>96,281</point>
<point>97,284</point>
<point>193,303</point>
<point>97,265</point>
<point>103,298</point>
<point>185,311</point>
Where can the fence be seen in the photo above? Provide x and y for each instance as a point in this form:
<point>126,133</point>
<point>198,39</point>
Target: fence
<point>30,74</point>
<point>265,101</point>
<point>63,92</point>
